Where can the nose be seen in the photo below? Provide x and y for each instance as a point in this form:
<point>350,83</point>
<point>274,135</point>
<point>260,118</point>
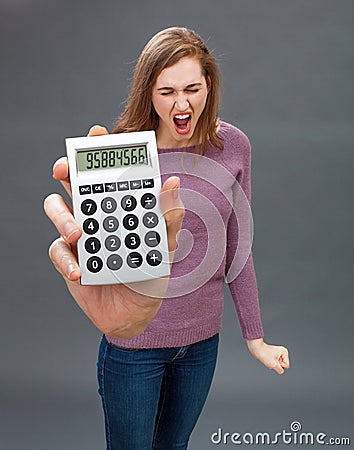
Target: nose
<point>181,101</point>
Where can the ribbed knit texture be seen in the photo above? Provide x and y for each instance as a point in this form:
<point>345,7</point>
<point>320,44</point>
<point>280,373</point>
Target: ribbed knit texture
<point>211,234</point>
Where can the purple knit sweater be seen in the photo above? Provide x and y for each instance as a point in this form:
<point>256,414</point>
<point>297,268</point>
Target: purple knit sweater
<point>213,246</point>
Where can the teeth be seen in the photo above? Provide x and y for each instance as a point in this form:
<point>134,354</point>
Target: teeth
<point>182,116</point>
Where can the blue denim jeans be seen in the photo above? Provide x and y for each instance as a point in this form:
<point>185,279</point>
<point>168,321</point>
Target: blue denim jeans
<point>152,398</point>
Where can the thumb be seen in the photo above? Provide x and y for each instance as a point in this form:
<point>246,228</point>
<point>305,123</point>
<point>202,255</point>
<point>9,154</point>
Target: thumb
<point>173,209</point>
<point>97,130</point>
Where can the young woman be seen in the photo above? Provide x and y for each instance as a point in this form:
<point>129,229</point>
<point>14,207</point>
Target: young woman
<point>157,357</point>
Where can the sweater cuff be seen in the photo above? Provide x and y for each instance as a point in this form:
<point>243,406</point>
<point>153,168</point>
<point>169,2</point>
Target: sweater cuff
<point>252,331</point>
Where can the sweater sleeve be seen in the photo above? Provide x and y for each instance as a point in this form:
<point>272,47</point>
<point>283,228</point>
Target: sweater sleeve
<point>240,273</point>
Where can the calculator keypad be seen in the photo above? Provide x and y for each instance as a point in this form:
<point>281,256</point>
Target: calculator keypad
<point>115,225</point>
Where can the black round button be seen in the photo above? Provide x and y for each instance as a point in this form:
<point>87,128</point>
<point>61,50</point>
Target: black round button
<point>134,260</point>
<point>108,205</point>
<point>90,226</point>
<point>148,201</point>
<point>92,245</point>
<point>152,239</point>
<point>150,220</point>
<point>154,258</point>
<point>111,224</point>
<point>94,264</point>
<point>112,243</point>
<point>128,203</point>
<point>114,262</point>
<point>132,241</point>
<point>130,222</point>
<point>88,207</point>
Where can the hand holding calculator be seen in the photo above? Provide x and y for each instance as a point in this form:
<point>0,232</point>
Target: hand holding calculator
<point>109,307</point>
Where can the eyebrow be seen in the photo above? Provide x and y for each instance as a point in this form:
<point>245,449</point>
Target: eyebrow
<point>187,87</point>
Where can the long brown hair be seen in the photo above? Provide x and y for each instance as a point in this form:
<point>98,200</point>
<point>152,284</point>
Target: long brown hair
<point>163,50</point>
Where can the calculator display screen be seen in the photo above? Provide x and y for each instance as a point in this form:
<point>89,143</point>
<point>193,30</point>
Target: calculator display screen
<point>112,158</point>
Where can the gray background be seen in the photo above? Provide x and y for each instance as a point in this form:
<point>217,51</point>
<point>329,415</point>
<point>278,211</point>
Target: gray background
<point>288,72</point>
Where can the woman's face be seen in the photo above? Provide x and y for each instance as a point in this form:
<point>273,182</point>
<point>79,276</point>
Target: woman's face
<point>179,96</point>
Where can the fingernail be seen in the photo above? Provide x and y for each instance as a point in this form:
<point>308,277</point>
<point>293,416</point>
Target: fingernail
<point>69,230</point>
<point>71,269</point>
<point>175,192</point>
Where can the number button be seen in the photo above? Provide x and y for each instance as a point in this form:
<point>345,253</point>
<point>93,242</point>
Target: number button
<point>88,207</point>
<point>111,224</point>
<point>114,262</point>
<point>134,260</point>
<point>94,264</point>
<point>150,220</point>
<point>130,222</point>
<point>148,201</point>
<point>152,239</point>
<point>128,203</point>
<point>109,205</point>
<point>92,245</point>
<point>112,243</point>
<point>154,258</point>
<point>132,241</point>
<point>90,226</point>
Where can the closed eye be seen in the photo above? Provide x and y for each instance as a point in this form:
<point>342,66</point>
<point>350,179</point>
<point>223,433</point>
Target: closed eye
<point>189,91</point>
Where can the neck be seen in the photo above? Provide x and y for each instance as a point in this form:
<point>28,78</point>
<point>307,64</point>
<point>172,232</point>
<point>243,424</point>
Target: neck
<point>169,142</point>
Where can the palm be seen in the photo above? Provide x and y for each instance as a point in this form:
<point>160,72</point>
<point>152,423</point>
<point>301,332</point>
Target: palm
<point>107,305</point>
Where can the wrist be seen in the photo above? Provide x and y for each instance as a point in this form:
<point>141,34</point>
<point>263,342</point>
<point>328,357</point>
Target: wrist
<point>254,345</point>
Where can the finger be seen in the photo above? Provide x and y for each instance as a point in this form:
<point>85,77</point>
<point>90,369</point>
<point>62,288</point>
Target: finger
<point>278,368</point>
<point>97,130</point>
<point>61,167</point>
<point>173,209</point>
<point>64,260</point>
<point>284,359</point>
<point>59,212</point>
<point>61,173</point>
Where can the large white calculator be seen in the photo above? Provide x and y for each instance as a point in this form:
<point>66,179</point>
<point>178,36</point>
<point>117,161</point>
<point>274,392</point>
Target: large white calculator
<point>115,182</point>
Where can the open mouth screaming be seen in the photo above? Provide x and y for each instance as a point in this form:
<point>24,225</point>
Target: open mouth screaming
<point>182,123</point>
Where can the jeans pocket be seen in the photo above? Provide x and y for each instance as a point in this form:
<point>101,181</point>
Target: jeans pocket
<point>121,348</point>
